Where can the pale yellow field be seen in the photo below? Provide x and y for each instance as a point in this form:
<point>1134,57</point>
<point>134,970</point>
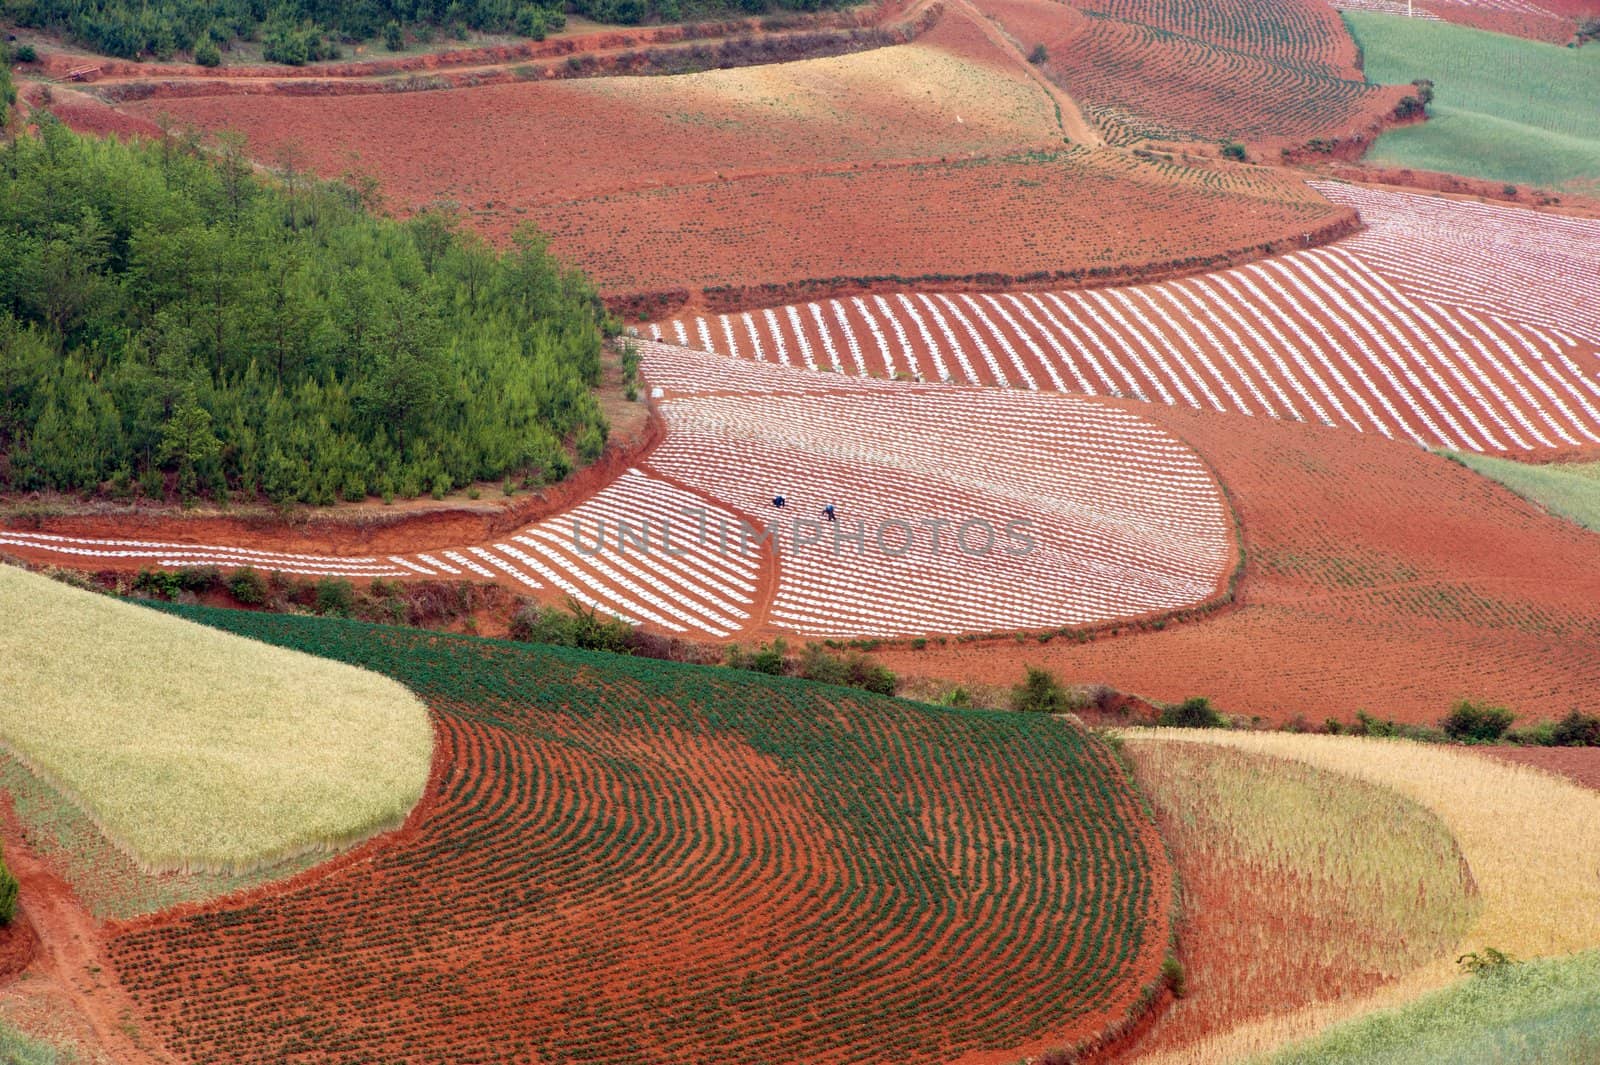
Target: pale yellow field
<point>925,98</point>
<point>195,749</point>
<point>1532,842</point>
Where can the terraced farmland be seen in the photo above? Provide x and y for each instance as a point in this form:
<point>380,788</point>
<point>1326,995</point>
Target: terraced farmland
<point>1278,73</point>
<point>695,865</point>
<point>1444,323</point>
<point>1093,514</point>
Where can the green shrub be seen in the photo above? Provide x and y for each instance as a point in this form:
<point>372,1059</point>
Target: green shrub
<point>1039,56</point>
<point>393,39</point>
<point>199,578</point>
<point>1195,712</point>
<point>1041,693</point>
<point>1576,730</point>
<point>157,583</point>
<point>335,597</point>
<point>1173,976</point>
<point>8,894</point>
<point>26,53</point>
<point>1486,962</point>
<point>247,587</point>
<point>1233,150</point>
<point>578,626</point>
<point>1471,722</point>
<point>207,54</point>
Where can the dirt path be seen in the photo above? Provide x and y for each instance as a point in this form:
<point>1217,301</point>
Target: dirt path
<point>70,960</point>
<point>1073,125</point>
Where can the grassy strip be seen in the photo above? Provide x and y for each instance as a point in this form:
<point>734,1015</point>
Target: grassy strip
<point>1504,108</point>
<point>1535,1013</point>
<point>1568,489</point>
<point>194,750</point>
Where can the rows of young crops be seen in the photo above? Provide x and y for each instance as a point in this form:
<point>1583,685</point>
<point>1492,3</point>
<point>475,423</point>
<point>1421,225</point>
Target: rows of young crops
<point>1302,32</point>
<point>1446,324</point>
<point>632,861</point>
<point>957,510</point>
<point>1283,72</point>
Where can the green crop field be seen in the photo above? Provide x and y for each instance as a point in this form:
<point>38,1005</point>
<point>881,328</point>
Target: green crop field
<point>628,860</point>
<point>1569,489</point>
<point>1544,1012</point>
<point>1506,109</point>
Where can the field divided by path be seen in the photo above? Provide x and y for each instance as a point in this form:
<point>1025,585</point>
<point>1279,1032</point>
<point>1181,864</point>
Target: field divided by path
<point>1443,323</point>
<point>631,861</point>
<point>1006,511</point>
<point>1120,518</point>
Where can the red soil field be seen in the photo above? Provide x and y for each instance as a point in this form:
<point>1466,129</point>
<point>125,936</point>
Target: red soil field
<point>1060,216</point>
<point>1578,764</point>
<point>648,863</point>
<point>1270,74</point>
<point>779,180</point>
<point>509,152</point>
<point>1378,576</point>
<point>1542,20</point>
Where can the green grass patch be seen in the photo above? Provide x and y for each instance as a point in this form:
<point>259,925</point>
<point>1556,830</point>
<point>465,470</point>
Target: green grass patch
<point>1568,489</point>
<point>1504,108</point>
<point>18,1049</point>
<point>1544,1012</point>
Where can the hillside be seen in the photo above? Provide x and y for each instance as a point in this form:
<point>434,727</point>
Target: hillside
<point>696,864</point>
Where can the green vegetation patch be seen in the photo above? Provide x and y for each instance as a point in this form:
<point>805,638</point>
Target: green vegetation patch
<point>1568,489</point>
<point>172,323</point>
<point>196,750</point>
<point>1544,1012</point>
<point>1504,108</point>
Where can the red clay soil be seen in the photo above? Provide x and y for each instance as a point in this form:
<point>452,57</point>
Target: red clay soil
<point>1378,577</point>
<point>88,114</point>
<point>575,888</point>
<point>65,970</point>
<point>493,149</point>
<point>1043,219</point>
<point>1578,764</point>
<point>849,186</point>
<point>1551,20</point>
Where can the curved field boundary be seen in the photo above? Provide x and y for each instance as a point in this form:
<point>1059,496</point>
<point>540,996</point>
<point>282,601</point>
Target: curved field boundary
<point>1529,838</point>
<point>1287,895</point>
<point>960,512</point>
<point>696,866</point>
<point>1446,324</point>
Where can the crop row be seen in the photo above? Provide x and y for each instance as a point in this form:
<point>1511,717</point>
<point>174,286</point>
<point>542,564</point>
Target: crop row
<point>956,510</point>
<point>1450,326</point>
<point>643,862</point>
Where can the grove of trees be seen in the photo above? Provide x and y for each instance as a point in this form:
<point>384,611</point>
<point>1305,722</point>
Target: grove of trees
<point>299,31</point>
<point>172,323</point>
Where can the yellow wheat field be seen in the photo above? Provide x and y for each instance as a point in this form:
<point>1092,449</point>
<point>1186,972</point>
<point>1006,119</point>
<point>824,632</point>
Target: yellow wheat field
<point>195,749</point>
<point>1532,841</point>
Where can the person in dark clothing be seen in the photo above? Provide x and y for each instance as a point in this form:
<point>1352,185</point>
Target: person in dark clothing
<point>778,501</point>
<point>827,513</point>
